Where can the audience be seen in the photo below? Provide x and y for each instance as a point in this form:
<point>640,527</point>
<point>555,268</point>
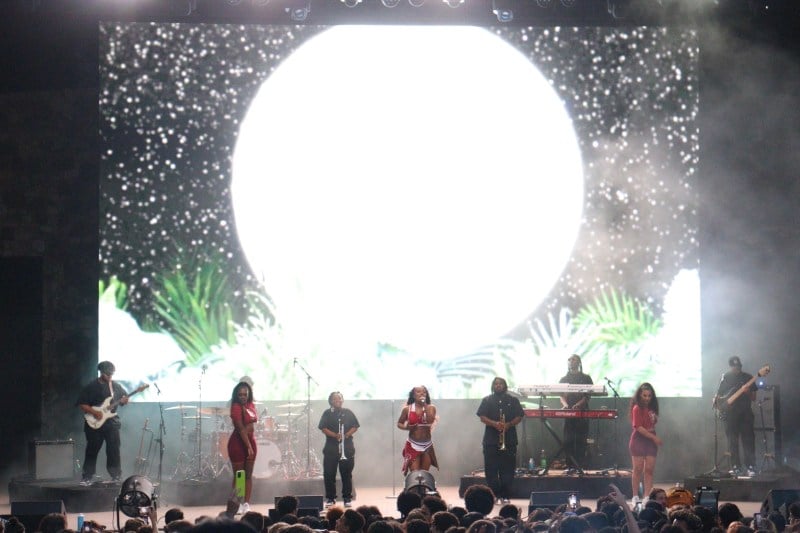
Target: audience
<point>431,515</point>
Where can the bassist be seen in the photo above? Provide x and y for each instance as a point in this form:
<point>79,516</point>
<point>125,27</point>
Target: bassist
<point>92,396</point>
<point>738,415</point>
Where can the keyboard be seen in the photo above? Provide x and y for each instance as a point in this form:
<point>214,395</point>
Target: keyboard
<point>571,413</point>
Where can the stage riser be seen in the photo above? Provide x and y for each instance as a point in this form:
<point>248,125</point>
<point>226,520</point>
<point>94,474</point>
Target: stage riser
<point>589,487</point>
<point>187,493</point>
<point>746,490</point>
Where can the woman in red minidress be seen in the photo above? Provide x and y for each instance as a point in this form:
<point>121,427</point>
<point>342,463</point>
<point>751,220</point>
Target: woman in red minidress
<point>644,442</point>
<point>242,443</point>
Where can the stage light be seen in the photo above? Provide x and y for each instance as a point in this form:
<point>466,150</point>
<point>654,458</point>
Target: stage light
<point>351,3</point>
<point>568,3</point>
<point>136,497</point>
<point>453,3</point>
<point>390,3</point>
<point>421,482</point>
<point>299,13</point>
<point>501,11</point>
<point>416,3</point>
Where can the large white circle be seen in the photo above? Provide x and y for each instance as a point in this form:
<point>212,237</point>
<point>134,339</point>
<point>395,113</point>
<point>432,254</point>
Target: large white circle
<point>416,186</point>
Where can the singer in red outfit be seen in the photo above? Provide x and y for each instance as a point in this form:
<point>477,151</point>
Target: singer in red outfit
<point>242,443</point>
<point>644,442</point>
<point>418,417</point>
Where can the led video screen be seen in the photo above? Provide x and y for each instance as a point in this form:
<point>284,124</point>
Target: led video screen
<point>366,208</point>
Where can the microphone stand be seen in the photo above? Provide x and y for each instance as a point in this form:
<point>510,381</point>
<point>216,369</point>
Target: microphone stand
<point>716,472</point>
<point>162,432</point>
<point>309,379</point>
<point>616,424</point>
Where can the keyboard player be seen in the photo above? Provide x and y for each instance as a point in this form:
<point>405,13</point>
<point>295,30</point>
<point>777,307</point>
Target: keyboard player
<point>576,430</point>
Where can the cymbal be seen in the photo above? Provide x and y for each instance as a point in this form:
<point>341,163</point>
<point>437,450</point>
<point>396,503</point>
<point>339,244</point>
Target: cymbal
<point>181,407</point>
<point>217,411</point>
<point>289,405</point>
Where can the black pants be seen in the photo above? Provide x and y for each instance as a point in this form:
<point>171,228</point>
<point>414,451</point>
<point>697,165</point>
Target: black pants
<point>740,426</point>
<point>576,431</point>
<point>499,467</point>
<point>108,433</point>
<point>330,462</point>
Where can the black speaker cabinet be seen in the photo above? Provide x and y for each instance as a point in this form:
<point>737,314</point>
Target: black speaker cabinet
<point>779,500</point>
<point>51,459</point>
<point>31,513</point>
<point>306,502</point>
<point>551,500</point>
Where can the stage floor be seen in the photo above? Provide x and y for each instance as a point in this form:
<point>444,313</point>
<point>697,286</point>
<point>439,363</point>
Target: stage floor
<point>382,497</point>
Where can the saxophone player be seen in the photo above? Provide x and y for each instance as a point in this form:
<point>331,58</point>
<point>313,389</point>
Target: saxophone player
<point>338,424</point>
<point>500,413</point>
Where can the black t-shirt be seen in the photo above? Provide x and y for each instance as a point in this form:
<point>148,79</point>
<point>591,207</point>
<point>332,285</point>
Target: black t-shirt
<point>577,379</point>
<point>330,420</point>
<point>731,382</point>
<point>491,407</point>
<point>97,391</point>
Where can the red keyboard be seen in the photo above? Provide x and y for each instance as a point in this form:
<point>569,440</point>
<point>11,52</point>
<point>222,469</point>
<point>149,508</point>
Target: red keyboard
<point>570,413</point>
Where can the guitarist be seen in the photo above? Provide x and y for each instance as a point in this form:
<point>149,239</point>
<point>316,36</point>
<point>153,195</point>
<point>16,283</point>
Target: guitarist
<point>92,396</point>
<point>739,419</point>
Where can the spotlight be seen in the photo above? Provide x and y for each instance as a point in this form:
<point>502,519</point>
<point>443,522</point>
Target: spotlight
<point>416,3</point>
<point>136,498</point>
<point>568,3</point>
<point>351,3</point>
<point>453,3</point>
<point>421,482</point>
<point>502,12</point>
<point>390,3</point>
<point>299,13</point>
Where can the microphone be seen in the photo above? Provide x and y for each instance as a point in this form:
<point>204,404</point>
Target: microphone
<point>608,380</point>
<point>295,362</point>
<point>156,386</point>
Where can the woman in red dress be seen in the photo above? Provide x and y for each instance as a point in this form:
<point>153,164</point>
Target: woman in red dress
<point>242,443</point>
<point>644,442</point>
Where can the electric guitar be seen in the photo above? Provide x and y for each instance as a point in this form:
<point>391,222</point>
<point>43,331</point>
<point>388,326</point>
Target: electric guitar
<point>106,409</point>
<point>724,402</point>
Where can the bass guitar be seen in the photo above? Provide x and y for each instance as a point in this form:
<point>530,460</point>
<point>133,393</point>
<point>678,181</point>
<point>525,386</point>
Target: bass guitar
<point>724,402</point>
<point>106,408</point>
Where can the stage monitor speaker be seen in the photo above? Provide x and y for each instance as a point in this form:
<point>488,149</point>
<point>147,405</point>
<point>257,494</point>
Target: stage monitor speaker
<point>551,500</point>
<point>31,513</point>
<point>51,459</point>
<point>768,400</point>
<point>779,500</point>
<point>306,502</point>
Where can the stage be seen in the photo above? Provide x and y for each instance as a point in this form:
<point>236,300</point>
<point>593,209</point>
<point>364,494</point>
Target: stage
<point>753,489</point>
<point>100,496</point>
<point>591,484</point>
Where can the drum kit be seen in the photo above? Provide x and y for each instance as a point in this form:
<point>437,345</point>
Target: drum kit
<point>278,456</point>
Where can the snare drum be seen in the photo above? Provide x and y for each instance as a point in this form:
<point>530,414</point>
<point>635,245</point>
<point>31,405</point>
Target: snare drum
<point>268,459</point>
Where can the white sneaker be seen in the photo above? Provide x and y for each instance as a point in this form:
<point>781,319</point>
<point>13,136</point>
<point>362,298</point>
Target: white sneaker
<point>243,508</point>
